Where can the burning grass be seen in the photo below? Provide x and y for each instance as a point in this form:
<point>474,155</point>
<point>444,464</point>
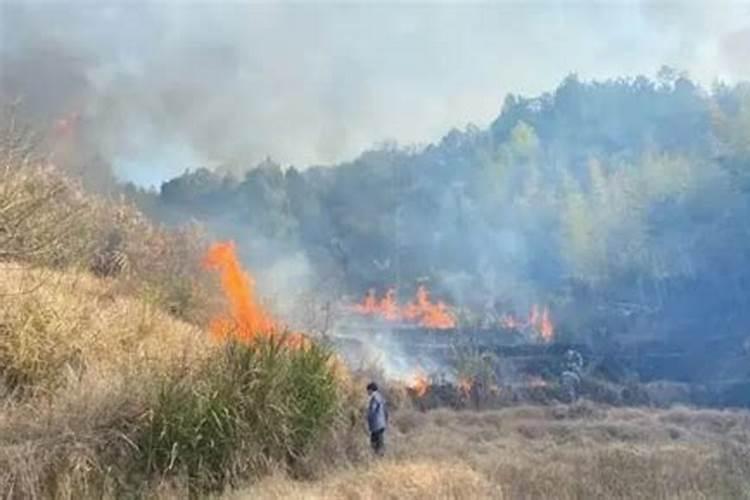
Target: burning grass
<point>420,311</point>
<point>108,396</point>
<point>247,319</point>
<point>104,393</point>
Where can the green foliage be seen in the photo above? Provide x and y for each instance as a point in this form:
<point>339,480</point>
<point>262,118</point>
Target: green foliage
<point>591,196</point>
<point>524,141</point>
<point>247,407</point>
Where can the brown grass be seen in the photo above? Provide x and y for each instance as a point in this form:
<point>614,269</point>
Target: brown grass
<point>78,364</point>
<point>83,361</point>
<point>584,451</point>
<point>47,220</point>
<point>387,479</point>
<point>59,327</point>
<point>106,396</point>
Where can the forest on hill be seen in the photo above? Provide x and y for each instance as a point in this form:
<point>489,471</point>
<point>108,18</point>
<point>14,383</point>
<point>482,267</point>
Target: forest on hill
<point>622,204</point>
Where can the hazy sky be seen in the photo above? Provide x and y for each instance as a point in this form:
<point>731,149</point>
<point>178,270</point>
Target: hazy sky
<point>166,85</point>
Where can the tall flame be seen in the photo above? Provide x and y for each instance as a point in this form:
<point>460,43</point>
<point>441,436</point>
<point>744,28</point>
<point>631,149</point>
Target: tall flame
<point>545,327</point>
<point>421,310</point>
<point>510,322</point>
<point>246,319</point>
<point>419,384</point>
<point>427,313</point>
<point>539,322</point>
<point>369,304</point>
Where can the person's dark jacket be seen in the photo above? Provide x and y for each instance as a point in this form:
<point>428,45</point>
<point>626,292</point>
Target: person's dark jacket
<point>377,413</point>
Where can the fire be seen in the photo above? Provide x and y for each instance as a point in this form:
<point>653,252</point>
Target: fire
<point>247,320</point>
<point>545,327</point>
<point>428,314</point>
<point>421,310</point>
<point>387,307</point>
<point>534,315</point>
<point>419,384</point>
<point>539,322</point>
<point>536,381</point>
<point>511,322</point>
<point>464,385</point>
<point>369,304</point>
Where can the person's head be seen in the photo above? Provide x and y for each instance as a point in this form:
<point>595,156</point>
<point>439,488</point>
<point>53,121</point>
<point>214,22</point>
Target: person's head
<point>372,387</point>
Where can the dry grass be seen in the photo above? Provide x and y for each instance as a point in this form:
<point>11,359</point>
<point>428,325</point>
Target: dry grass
<point>584,451</point>
<point>58,327</point>
<point>77,366</point>
<point>103,391</point>
<point>88,367</point>
<point>47,220</point>
<point>387,479</point>
<point>82,365</point>
<point>107,396</point>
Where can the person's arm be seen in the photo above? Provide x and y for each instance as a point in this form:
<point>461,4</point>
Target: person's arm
<point>372,409</point>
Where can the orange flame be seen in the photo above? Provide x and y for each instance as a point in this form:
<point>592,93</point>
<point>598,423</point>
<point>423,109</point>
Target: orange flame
<point>369,304</point>
<point>246,320</point>
<point>421,310</point>
<point>539,322</point>
<point>428,314</point>
<point>419,384</point>
<point>387,307</point>
<point>545,327</point>
<point>510,322</point>
<point>464,384</point>
<point>534,315</point>
<point>536,381</point>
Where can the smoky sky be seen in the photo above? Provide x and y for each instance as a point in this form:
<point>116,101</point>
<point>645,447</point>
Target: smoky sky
<point>168,85</point>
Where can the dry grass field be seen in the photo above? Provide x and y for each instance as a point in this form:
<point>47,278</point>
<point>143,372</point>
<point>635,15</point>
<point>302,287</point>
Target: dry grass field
<point>577,452</point>
<point>83,369</point>
<point>112,387</point>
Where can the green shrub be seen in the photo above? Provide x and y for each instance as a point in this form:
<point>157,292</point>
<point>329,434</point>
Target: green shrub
<point>248,407</point>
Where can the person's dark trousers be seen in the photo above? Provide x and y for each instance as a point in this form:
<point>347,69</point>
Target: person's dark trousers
<point>377,441</point>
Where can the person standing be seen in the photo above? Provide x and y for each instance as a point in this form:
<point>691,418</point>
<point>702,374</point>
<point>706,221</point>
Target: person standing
<point>377,418</point>
<point>570,379</point>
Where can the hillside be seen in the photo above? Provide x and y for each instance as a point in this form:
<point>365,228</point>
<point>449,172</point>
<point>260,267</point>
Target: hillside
<point>112,384</point>
<point>618,204</point>
<point>137,360</point>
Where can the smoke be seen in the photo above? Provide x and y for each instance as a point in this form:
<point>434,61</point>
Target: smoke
<point>167,85</point>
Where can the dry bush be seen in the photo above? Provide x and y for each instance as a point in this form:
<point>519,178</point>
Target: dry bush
<point>113,397</point>
<point>40,209</point>
<point>42,215</point>
<point>48,220</point>
<point>55,326</point>
<point>73,444</point>
<point>78,366</point>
